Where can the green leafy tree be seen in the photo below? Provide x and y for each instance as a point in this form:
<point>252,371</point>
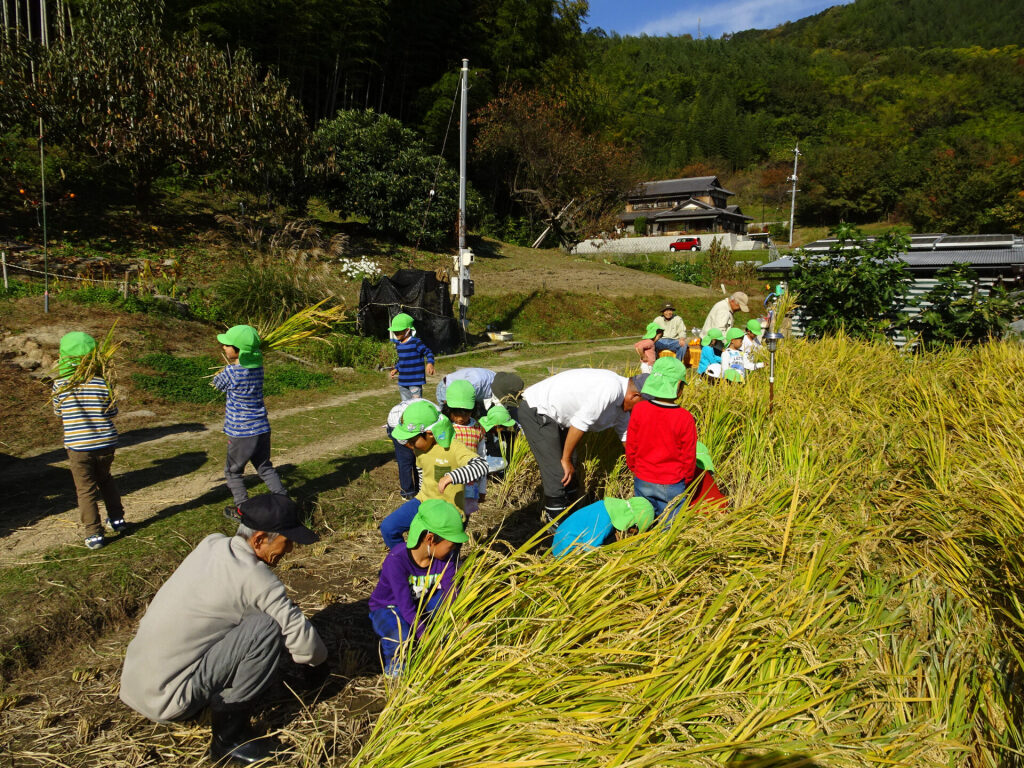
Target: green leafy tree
<point>859,285</point>
<point>371,165</point>
<point>146,104</point>
<point>960,310</point>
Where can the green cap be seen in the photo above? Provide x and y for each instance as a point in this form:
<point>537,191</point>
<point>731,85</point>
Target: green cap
<point>704,458</point>
<point>420,417</point>
<point>440,518</point>
<point>711,335</point>
<point>754,326</point>
<point>401,322</point>
<point>637,511</point>
<point>460,394</point>
<point>734,333</point>
<point>73,347</point>
<point>731,374</point>
<point>652,330</point>
<point>663,383</point>
<point>247,341</point>
<point>497,416</point>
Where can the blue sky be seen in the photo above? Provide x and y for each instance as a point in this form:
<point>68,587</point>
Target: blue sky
<point>715,17</point>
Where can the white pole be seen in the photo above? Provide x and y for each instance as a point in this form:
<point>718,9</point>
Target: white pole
<point>3,260</point>
<point>463,266</point>
<point>792,203</point>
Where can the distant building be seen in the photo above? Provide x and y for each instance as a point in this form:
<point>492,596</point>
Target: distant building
<point>697,205</point>
<point>995,259</point>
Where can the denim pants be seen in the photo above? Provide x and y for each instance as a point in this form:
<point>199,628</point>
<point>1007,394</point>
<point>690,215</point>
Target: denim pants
<point>394,525</point>
<point>394,633</point>
<point>408,481</point>
<point>659,495</point>
<point>672,345</point>
<point>410,393</point>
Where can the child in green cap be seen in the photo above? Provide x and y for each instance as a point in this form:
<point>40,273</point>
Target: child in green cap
<point>662,441</point>
<point>245,416</point>
<point>460,400</point>
<point>86,411</point>
<point>415,578</point>
<point>410,369</point>
<point>711,349</point>
<point>645,347</point>
<point>603,522</point>
<point>732,355</point>
<point>444,465</point>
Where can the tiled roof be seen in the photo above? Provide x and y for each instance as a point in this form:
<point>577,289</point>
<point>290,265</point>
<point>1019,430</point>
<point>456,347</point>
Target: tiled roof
<point>689,186</point>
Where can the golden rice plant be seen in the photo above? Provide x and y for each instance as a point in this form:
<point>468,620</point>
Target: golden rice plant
<point>860,604</point>
<point>99,362</point>
<point>299,327</point>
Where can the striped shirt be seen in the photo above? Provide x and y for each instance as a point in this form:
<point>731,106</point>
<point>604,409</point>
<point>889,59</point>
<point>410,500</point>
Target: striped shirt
<point>410,366</point>
<point>472,436</point>
<point>86,412</point>
<point>244,415</point>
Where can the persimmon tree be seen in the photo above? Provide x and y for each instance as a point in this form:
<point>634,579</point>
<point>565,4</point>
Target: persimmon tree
<point>574,180</point>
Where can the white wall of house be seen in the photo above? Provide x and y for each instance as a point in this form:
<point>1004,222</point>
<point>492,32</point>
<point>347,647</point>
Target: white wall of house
<point>658,243</point>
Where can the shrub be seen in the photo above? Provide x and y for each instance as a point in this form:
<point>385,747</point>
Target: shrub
<point>960,310</point>
<point>858,285</point>
<point>264,290</point>
<point>640,225</point>
<point>344,349</point>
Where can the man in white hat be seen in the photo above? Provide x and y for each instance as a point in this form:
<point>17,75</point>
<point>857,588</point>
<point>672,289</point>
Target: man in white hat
<point>720,316</point>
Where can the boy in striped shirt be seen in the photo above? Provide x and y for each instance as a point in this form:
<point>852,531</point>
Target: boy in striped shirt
<point>245,417</point>
<point>90,439</point>
<point>410,369</point>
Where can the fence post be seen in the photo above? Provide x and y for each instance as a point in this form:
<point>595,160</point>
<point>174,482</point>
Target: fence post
<point>124,285</point>
<point>3,260</point>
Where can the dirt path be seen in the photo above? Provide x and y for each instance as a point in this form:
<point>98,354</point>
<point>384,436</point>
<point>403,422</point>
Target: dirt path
<point>25,543</point>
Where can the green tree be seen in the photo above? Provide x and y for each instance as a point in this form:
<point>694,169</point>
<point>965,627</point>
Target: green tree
<point>371,165</point>
<point>147,105</point>
<point>960,310</point>
<point>859,285</point>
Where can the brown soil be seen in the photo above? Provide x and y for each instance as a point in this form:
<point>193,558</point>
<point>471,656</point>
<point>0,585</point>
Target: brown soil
<point>521,270</point>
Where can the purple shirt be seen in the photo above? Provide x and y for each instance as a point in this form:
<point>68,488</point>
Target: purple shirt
<point>403,583</point>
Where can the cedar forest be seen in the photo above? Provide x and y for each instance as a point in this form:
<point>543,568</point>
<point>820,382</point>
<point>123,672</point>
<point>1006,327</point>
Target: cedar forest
<point>907,111</point>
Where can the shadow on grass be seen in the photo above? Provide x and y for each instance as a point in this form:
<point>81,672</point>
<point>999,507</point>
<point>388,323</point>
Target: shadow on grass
<point>306,490</point>
<point>52,489</point>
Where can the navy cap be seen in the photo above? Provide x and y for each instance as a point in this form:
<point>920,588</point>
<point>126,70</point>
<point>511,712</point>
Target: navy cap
<point>276,513</point>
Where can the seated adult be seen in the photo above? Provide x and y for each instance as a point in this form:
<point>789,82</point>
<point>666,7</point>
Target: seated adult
<point>555,413</point>
<point>214,632</point>
<point>674,332</point>
<point>720,315</point>
<point>480,378</point>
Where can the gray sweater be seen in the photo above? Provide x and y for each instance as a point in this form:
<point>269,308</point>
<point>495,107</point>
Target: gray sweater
<point>206,597</point>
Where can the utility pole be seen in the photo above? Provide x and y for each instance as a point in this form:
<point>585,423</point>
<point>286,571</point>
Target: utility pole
<point>792,202</point>
<point>465,257</point>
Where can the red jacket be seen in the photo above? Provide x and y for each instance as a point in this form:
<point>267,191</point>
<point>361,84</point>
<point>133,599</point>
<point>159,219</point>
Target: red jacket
<point>661,444</point>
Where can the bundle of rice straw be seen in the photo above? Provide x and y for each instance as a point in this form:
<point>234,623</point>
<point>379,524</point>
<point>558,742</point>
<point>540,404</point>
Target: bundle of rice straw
<point>303,325</point>
<point>98,362</point>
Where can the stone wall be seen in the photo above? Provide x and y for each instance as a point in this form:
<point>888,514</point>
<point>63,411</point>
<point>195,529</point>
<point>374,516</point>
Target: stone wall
<point>660,243</point>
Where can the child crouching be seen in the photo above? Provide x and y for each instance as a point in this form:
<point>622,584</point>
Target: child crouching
<point>602,522</point>
<point>444,465</point>
<point>414,579</point>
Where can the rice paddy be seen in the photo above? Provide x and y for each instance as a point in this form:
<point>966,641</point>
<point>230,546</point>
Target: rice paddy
<point>859,604</point>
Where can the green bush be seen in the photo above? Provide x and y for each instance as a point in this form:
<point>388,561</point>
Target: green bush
<point>266,289</point>
<point>17,289</point>
<point>640,225</point>
<point>345,349</point>
<point>960,311</point>
<point>188,379</point>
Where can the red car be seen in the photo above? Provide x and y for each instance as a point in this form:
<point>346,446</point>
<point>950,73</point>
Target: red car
<point>685,244</point>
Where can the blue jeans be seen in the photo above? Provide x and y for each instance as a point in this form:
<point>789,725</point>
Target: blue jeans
<point>394,525</point>
<point>659,495</point>
<point>407,478</point>
<point>672,345</point>
<point>394,632</point>
<point>409,393</point>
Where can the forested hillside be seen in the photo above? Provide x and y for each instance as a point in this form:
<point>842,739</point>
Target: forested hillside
<point>910,110</point>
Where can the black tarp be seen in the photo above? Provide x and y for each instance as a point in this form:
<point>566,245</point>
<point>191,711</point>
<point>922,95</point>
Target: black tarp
<point>417,293</point>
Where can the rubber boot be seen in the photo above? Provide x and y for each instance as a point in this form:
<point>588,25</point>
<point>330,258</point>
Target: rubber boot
<point>553,507</point>
<point>233,739</point>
